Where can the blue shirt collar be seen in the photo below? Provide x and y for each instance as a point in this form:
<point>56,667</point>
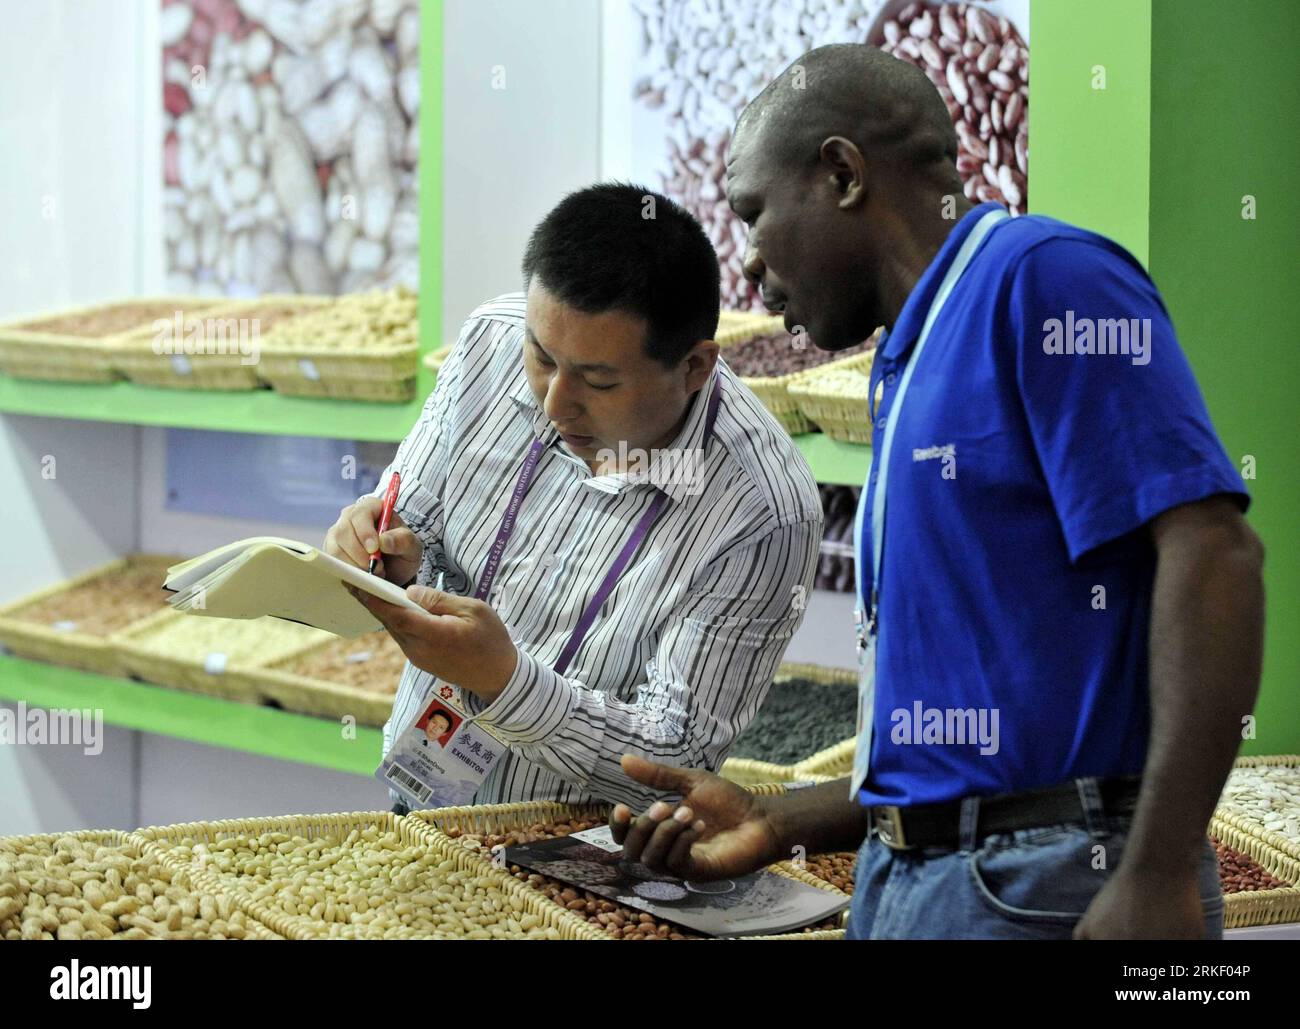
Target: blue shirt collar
<point>908,326</point>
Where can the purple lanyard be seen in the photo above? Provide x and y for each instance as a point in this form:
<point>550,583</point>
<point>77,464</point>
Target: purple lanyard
<point>526,475</point>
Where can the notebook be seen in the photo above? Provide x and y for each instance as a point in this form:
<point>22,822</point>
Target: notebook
<point>269,575</point>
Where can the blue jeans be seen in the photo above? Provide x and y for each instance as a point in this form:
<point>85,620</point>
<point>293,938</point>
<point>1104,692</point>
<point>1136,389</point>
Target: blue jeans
<point>1033,884</point>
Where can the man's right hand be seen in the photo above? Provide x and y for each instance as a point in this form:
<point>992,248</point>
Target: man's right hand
<point>354,537</point>
<point>718,831</point>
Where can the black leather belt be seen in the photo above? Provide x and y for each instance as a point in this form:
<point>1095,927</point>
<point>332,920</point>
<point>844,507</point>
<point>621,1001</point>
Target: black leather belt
<point>939,825</point>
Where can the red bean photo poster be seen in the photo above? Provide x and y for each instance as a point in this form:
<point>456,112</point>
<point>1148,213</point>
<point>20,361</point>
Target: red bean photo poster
<point>698,64</point>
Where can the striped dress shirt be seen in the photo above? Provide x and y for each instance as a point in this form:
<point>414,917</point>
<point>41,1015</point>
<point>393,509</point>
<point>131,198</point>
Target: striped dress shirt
<point>685,647</point>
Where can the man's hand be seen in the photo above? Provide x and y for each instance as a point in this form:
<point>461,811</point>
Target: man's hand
<point>458,639</point>
<point>353,538</point>
<point>1128,908</point>
<point>717,832</point>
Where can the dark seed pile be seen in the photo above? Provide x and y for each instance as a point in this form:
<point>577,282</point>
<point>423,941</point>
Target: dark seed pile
<point>770,356</point>
<point>798,719</point>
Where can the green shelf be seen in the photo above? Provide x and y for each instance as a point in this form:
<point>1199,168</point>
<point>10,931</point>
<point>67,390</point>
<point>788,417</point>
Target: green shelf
<point>835,463</point>
<point>191,716</point>
<point>261,411</point>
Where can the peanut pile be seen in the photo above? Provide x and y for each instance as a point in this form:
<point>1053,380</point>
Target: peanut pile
<point>368,884</point>
<point>384,319</point>
<point>836,869</point>
<point>1239,874</point>
<point>61,887</point>
<point>105,321</point>
<point>105,603</point>
<point>370,662</point>
<point>620,922</point>
<point>242,641</point>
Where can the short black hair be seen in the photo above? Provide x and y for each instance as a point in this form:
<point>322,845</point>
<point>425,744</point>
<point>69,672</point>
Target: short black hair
<point>621,247</point>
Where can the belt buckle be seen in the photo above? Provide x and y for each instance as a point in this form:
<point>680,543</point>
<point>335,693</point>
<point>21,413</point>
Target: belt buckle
<point>889,827</point>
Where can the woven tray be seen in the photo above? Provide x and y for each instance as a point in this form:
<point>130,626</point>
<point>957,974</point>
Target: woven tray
<point>186,671</point>
<point>774,394</point>
<point>502,818</point>
<point>72,649</point>
<point>1261,907</point>
<point>312,696</point>
<point>304,927</point>
<point>133,848</point>
<point>843,414</point>
<point>42,353</point>
<point>739,326</point>
<point>293,360</point>
<point>134,354</point>
<point>435,359</point>
<point>1279,855</point>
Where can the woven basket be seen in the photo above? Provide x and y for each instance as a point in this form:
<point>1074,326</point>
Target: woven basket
<point>739,326</point>
<point>834,762</point>
<point>435,359</point>
<point>745,771</point>
<point>73,649</point>
<point>294,361</point>
<point>134,847</point>
<point>1279,855</point>
<point>29,351</point>
<point>304,927</point>
<point>134,354</point>
<point>184,671</point>
<point>774,394</point>
<point>842,414</point>
<point>1261,907</point>
<point>311,696</point>
<point>502,818</point>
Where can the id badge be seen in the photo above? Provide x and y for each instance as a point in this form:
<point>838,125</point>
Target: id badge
<point>441,758</point>
<point>866,706</point>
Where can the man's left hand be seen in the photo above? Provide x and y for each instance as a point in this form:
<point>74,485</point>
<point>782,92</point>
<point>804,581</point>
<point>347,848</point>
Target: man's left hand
<point>459,639</point>
<point>1138,907</point>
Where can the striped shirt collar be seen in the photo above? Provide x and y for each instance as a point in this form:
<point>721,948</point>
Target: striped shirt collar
<point>668,469</point>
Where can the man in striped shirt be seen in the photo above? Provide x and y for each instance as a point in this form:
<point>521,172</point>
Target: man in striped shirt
<point>606,367</point>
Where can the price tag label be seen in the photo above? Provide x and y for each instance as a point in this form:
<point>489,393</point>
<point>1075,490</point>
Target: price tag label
<point>214,663</point>
<point>308,369</point>
<point>181,364</point>
<point>64,626</point>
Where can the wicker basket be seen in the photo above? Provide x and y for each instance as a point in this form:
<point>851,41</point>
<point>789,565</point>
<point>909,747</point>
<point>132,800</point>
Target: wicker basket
<point>294,361</point>
<point>304,927</point>
<point>1261,907</point>
<point>745,771</point>
<point>135,356</point>
<point>435,359</point>
<point>502,818</point>
<point>1278,855</point>
<point>32,349</point>
<point>774,394</point>
<point>196,673</point>
<point>312,696</point>
<point>134,847</point>
<point>739,326</point>
<point>836,397</point>
<point>71,649</point>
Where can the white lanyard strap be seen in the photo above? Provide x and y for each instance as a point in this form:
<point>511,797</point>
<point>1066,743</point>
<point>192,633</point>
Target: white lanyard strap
<point>964,255</point>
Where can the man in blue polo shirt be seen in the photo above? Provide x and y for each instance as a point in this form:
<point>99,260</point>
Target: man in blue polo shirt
<point>1061,604</point>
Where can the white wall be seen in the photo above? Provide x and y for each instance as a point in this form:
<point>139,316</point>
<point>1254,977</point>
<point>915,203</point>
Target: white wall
<point>510,154</point>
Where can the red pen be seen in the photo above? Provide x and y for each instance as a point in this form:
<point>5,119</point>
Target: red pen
<point>390,498</point>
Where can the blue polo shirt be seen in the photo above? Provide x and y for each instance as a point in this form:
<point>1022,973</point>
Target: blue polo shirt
<point>1052,414</point>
